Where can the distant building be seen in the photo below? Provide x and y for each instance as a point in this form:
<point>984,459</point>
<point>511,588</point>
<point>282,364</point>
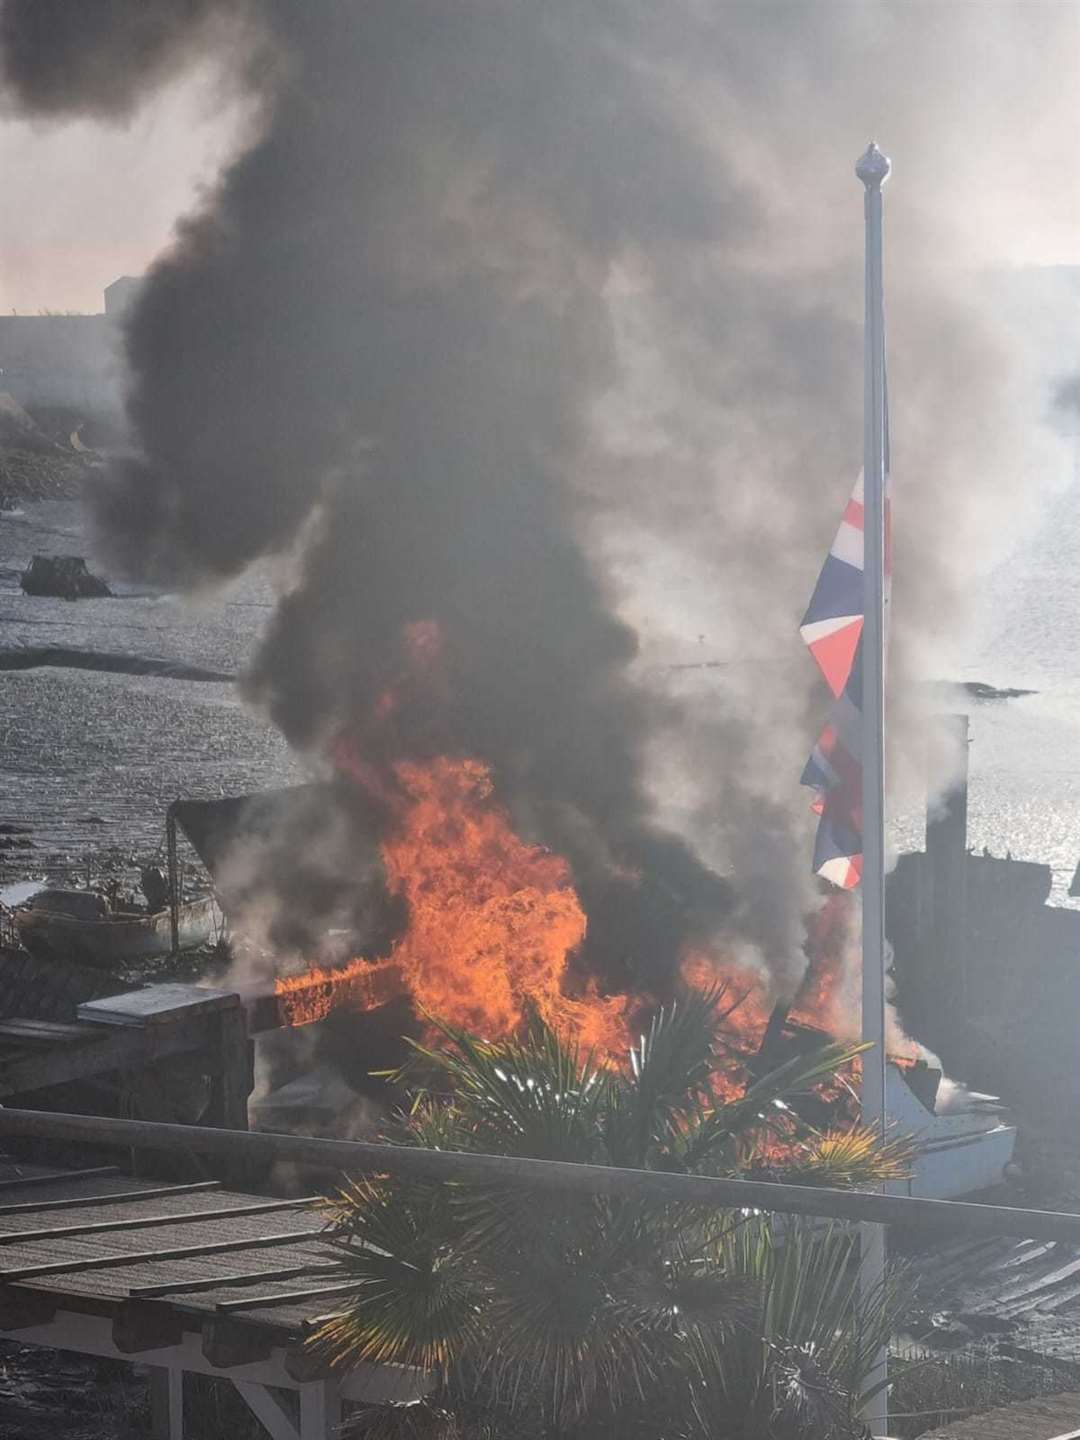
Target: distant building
<point>72,361</point>
<point>121,295</point>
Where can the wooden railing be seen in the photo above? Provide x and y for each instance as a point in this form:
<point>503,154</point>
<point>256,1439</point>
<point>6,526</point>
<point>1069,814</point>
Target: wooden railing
<point>940,1217</point>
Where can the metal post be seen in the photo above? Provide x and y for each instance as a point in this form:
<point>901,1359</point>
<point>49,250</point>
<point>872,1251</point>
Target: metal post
<point>873,169</point>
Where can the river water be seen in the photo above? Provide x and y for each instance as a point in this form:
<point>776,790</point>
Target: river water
<point>1024,794</point>
<point>91,760</point>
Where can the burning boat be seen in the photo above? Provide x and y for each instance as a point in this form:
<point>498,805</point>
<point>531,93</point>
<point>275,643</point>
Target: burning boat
<point>965,1140</point>
<point>487,926</point>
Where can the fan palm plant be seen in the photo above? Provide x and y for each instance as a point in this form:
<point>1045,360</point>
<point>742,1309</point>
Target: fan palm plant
<point>594,1317</point>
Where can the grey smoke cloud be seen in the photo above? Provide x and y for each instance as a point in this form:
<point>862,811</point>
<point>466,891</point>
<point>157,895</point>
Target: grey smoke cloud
<point>544,322</point>
<point>103,57</point>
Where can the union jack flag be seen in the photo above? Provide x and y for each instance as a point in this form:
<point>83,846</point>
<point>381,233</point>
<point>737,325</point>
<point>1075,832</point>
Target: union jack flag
<point>832,629</point>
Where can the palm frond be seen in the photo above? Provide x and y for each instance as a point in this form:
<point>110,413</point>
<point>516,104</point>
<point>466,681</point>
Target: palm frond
<point>420,1302</point>
<point>595,1317</point>
<point>418,1420</point>
<point>812,1351</point>
<point>846,1159</point>
<point>709,1141</point>
<point>533,1096</point>
<point>805,1396</point>
<point>668,1087</point>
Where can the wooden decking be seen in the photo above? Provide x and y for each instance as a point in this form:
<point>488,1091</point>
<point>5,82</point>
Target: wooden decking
<point>189,1277</point>
<point>101,1241</point>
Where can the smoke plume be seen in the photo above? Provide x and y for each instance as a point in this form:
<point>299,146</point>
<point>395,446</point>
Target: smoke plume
<point>537,328</point>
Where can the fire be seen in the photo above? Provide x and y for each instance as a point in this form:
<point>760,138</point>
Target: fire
<point>361,985</point>
<point>744,1000</point>
<point>828,997</point>
<point>493,922</point>
<point>744,992</point>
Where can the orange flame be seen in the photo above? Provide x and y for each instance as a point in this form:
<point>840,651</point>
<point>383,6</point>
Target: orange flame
<point>360,985</point>
<point>493,922</point>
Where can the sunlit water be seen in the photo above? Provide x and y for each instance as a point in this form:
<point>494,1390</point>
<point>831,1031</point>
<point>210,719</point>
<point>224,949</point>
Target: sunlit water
<point>78,748</point>
<point>1024,794</point>
<point>91,760</point>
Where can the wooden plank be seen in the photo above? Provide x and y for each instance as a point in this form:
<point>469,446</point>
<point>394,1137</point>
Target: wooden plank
<point>75,1202</point>
<point>117,1049</point>
<point>115,1285</point>
<point>146,1222</point>
<point>247,1277</point>
<point>226,1342</point>
<point>86,1174</point>
<point>268,1410</point>
<point>312,1322</point>
<point>149,1257</point>
<point>140,1325</point>
<point>46,1032</point>
<point>22,1309</point>
<point>157,1005</point>
<point>289,1297</point>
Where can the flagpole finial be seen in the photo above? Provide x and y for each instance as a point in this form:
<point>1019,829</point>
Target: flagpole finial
<point>872,167</point>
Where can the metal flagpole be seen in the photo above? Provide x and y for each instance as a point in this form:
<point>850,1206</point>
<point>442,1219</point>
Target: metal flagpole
<point>873,169</point>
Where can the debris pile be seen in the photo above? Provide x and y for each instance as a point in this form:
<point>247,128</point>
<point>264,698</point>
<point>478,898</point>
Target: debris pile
<point>27,476</point>
<point>41,461</point>
<point>65,576</point>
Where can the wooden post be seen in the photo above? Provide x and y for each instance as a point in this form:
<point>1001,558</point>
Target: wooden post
<point>232,1060</point>
<point>167,1402</point>
<point>174,889</point>
<point>233,1079</point>
<point>320,1409</point>
<point>275,1419</point>
<point>946,867</point>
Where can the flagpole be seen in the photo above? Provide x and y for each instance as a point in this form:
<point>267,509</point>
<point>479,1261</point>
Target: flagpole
<point>873,169</point>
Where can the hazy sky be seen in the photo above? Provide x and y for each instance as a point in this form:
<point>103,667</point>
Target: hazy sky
<point>84,203</point>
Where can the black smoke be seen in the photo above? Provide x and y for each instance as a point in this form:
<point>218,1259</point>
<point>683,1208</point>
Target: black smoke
<point>101,57</point>
<point>389,327</point>
<point>510,300</point>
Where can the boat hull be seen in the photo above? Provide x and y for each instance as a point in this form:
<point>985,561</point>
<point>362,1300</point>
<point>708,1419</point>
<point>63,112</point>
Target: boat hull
<point>116,938</point>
